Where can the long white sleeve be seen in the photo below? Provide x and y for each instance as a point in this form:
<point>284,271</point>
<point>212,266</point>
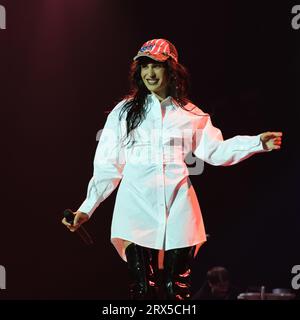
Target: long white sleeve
<point>211,148</point>
<point>108,165</point>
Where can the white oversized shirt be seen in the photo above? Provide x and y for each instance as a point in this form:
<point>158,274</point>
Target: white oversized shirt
<point>156,205</point>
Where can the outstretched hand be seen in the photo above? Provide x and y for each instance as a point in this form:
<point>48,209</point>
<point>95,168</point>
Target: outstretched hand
<point>271,140</point>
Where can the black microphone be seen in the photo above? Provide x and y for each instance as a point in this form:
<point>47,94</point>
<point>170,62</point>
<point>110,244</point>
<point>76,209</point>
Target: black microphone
<point>81,231</point>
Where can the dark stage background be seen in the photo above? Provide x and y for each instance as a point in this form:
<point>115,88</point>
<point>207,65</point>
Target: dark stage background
<point>63,63</point>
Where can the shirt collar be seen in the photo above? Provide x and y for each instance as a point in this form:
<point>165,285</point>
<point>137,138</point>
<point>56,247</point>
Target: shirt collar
<point>168,101</point>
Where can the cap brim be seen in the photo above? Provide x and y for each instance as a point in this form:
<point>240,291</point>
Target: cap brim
<point>157,57</point>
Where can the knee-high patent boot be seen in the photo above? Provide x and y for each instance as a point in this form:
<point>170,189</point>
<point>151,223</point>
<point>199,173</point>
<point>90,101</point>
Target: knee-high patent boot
<point>142,271</point>
<point>177,273</point>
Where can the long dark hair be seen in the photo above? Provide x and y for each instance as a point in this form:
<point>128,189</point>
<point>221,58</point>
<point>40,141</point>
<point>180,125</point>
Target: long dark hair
<point>136,108</point>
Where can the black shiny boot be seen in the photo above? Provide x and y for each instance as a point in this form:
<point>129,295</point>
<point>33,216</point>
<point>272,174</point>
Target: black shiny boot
<point>142,265</point>
<point>177,273</point>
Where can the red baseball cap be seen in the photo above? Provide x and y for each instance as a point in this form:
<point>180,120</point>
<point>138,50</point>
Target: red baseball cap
<point>158,49</point>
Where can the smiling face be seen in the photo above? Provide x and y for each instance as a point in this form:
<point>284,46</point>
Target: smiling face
<point>154,76</point>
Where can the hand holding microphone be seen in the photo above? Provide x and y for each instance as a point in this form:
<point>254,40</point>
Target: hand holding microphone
<point>73,221</point>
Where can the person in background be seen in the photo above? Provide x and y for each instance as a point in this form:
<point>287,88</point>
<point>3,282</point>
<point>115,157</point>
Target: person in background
<point>217,286</point>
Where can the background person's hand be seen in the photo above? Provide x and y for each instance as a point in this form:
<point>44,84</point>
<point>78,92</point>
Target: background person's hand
<point>271,140</point>
<point>79,219</point>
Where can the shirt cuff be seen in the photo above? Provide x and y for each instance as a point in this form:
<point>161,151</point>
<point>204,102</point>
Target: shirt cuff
<point>259,145</point>
<point>87,208</point>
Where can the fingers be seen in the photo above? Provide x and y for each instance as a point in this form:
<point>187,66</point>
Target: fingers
<point>277,141</point>
<point>74,227</point>
<point>71,227</point>
<point>272,140</point>
<point>64,221</point>
<point>79,219</point>
<point>276,147</point>
<point>276,134</point>
<point>270,135</point>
